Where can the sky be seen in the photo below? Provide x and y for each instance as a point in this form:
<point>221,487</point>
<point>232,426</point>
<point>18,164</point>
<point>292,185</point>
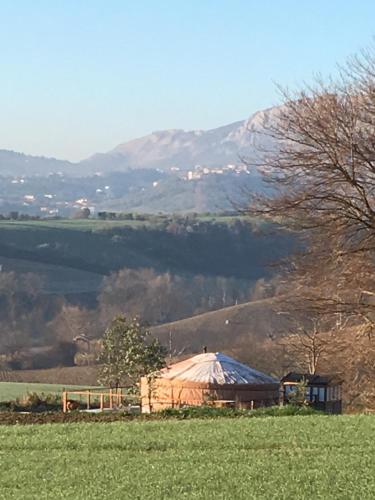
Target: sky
<point>81,76</point>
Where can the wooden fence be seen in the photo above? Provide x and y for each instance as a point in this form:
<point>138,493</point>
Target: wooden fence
<point>107,398</point>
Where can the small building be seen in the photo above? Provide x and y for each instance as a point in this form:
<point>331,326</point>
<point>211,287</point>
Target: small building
<point>323,392</point>
<point>209,378</point>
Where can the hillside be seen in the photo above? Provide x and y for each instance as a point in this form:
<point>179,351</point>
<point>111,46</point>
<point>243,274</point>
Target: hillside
<point>62,277</point>
<point>234,330</point>
<point>173,194</point>
<point>187,246</point>
<point>146,191</point>
<point>58,279</point>
<point>13,163</point>
<point>66,375</point>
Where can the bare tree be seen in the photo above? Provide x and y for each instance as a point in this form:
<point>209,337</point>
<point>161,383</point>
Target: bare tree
<point>306,345</point>
<point>353,358</point>
<point>321,175</point>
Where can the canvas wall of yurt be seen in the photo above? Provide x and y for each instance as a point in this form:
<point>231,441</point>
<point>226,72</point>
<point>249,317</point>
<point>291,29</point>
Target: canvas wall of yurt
<point>205,379</point>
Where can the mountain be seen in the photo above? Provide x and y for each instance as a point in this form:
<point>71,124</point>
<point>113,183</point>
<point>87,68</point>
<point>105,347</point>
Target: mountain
<point>158,150</point>
<point>186,149</point>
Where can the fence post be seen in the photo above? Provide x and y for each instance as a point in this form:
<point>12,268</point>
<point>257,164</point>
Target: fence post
<point>101,402</point>
<point>65,400</point>
<point>88,400</point>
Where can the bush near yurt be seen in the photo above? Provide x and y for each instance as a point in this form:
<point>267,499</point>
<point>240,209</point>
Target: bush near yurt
<point>129,352</point>
<point>211,412</point>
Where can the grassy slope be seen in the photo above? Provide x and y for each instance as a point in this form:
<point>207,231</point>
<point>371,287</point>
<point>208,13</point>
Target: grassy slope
<point>225,329</point>
<point>63,375</point>
<point>9,391</point>
<point>284,458</point>
<point>56,279</point>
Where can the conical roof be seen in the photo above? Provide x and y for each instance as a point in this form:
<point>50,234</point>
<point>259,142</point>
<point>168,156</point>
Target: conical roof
<point>215,368</point>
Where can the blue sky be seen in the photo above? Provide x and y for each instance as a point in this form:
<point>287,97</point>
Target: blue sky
<point>81,76</point>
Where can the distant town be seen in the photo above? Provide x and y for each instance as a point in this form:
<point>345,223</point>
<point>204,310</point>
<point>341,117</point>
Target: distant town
<point>60,195</point>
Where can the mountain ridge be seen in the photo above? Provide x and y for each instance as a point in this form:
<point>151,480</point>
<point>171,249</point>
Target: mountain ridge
<point>163,149</point>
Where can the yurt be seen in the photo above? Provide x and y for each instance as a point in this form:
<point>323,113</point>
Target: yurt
<point>208,378</point>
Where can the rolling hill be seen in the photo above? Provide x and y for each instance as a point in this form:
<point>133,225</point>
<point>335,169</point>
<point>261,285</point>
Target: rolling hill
<point>236,330</point>
<point>222,247</point>
<point>15,164</point>
<point>171,194</point>
<point>57,279</point>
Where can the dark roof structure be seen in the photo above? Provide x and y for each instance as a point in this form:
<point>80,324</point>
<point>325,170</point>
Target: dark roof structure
<point>329,379</point>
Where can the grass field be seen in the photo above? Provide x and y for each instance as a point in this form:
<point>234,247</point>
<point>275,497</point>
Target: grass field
<point>97,224</point>
<point>9,391</point>
<point>67,376</point>
<point>78,224</point>
<point>285,458</point>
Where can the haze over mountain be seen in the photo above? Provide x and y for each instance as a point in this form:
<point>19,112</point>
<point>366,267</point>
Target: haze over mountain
<point>185,149</point>
<point>14,164</point>
<point>162,150</point>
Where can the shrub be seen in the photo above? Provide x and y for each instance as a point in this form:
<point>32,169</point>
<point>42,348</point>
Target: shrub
<point>212,412</point>
<point>40,401</point>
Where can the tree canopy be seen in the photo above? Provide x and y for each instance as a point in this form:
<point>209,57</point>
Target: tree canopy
<point>129,352</point>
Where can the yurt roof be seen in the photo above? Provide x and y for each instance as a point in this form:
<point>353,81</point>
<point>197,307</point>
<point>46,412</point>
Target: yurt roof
<point>215,368</point>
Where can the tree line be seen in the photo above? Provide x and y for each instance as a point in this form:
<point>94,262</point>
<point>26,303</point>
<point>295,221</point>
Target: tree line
<point>32,320</point>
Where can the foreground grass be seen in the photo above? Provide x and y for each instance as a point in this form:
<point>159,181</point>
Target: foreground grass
<point>9,391</point>
<point>285,457</point>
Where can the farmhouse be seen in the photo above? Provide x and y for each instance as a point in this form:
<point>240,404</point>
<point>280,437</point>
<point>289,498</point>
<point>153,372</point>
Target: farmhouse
<point>323,392</point>
<point>208,378</point>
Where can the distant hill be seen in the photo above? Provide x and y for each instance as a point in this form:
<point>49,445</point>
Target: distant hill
<point>227,247</point>
<point>171,194</point>
<point>16,164</point>
<point>146,191</point>
<point>158,150</point>
<point>221,246</point>
<point>75,284</point>
<point>235,330</point>
<point>148,174</point>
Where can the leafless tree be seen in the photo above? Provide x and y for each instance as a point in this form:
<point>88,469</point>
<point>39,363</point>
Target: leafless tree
<point>306,345</point>
<point>321,177</point>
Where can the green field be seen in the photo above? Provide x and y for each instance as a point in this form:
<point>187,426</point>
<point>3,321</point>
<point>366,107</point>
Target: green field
<point>9,391</point>
<point>264,458</point>
<point>101,247</point>
<point>97,224</point>
<point>78,224</point>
